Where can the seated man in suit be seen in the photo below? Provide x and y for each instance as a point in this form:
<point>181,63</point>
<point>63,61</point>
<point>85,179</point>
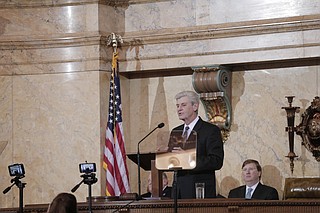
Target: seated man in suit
<point>166,190</point>
<point>253,189</point>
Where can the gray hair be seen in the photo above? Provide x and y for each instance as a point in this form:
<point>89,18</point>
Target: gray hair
<point>193,97</point>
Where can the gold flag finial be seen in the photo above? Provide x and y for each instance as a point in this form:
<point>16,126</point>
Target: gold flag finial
<point>114,40</point>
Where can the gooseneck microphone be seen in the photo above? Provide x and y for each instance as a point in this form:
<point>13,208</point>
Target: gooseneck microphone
<point>138,157</point>
<point>159,126</point>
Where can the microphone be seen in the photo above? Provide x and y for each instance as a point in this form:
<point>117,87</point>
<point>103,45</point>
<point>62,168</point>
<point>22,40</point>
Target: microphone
<point>160,125</point>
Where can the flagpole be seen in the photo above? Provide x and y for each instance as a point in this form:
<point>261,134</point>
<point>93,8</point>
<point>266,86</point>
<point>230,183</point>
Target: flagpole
<point>113,40</point>
<point>118,183</point>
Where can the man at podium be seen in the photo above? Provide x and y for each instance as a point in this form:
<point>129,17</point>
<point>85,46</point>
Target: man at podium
<point>209,148</point>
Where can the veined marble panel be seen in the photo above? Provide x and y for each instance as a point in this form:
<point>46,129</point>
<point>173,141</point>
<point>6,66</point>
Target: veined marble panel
<point>56,126</point>
<point>48,20</point>
<point>111,19</point>
<point>173,14</point>
<point>50,60</point>
<point>6,143</point>
<point>233,43</point>
<point>218,32</point>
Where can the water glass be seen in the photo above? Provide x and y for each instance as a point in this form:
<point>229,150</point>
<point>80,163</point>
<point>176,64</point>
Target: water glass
<point>200,190</point>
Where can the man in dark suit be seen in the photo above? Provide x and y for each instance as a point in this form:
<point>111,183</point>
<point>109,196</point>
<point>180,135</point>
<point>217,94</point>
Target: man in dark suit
<point>251,174</point>
<point>209,147</point>
<point>166,190</point>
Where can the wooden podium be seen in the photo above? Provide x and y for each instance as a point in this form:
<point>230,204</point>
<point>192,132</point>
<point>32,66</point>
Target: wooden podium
<point>147,162</point>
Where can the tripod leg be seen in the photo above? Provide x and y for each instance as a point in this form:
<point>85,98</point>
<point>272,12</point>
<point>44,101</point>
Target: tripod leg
<point>21,186</point>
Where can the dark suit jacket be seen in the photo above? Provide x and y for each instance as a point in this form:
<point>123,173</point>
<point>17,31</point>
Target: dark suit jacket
<point>166,192</point>
<point>147,194</point>
<point>262,192</point>
<point>210,157</point>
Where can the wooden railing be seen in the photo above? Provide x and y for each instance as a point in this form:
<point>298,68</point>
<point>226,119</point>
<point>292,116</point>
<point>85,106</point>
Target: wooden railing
<point>189,206</point>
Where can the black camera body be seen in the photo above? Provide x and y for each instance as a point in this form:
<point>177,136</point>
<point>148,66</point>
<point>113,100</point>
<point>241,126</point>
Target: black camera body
<point>16,170</point>
<point>87,168</point>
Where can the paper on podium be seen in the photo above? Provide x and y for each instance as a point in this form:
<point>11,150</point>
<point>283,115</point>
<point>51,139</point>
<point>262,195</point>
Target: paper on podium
<point>178,152</point>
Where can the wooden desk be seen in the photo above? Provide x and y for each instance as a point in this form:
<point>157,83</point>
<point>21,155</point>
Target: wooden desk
<point>190,206</point>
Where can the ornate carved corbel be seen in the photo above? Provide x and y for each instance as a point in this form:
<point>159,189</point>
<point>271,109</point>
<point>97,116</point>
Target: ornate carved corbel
<point>213,83</point>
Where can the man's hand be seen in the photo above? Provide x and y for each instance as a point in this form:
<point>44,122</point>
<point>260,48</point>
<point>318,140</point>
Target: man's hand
<point>178,150</point>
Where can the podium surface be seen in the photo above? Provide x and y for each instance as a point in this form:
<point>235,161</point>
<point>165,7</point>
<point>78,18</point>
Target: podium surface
<point>145,159</point>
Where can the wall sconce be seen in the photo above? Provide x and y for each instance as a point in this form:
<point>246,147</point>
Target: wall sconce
<point>213,84</point>
<point>291,129</point>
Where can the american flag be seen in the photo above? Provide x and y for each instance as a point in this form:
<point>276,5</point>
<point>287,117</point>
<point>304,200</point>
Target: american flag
<point>114,151</point>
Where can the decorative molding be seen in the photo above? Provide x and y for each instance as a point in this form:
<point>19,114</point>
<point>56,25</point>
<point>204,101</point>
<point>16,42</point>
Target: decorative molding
<point>174,35</point>
<point>196,205</point>
<point>51,41</point>
<point>14,43</point>
<point>61,3</point>
<point>227,30</point>
<point>147,1</point>
<point>221,31</point>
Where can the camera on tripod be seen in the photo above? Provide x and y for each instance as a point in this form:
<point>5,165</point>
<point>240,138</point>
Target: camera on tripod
<point>16,170</point>
<point>87,168</point>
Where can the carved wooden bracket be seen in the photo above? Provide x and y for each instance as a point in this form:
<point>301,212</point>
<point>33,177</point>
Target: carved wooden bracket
<point>213,84</point>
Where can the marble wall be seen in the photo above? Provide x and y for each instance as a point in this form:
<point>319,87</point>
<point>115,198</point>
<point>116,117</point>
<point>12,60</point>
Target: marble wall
<point>54,73</point>
<point>54,86</point>
<point>219,32</point>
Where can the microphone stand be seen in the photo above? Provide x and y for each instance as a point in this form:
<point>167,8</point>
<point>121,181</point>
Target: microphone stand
<point>88,179</point>
<point>20,185</point>
<point>139,177</point>
<point>175,188</point>
<point>138,159</point>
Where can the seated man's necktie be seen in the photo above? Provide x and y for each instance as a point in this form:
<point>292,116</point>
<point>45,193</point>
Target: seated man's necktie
<point>248,194</point>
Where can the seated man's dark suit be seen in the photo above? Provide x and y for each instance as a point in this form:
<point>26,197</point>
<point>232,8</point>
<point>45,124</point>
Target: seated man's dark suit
<point>166,192</point>
<point>262,192</point>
